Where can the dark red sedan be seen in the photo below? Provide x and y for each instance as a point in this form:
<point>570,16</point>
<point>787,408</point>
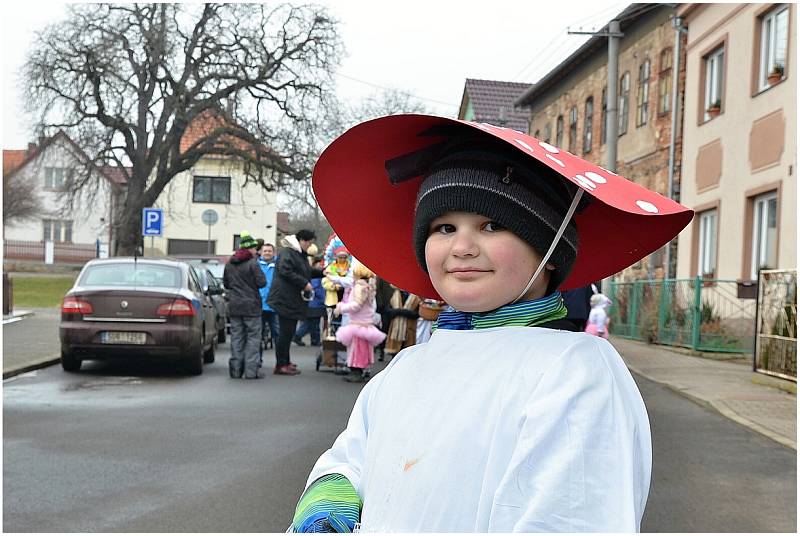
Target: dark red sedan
<point>125,306</point>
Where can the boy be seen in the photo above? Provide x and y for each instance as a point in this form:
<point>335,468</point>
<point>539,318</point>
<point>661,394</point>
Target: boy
<point>503,421</point>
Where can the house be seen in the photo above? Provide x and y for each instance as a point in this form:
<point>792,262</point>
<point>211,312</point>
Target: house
<point>740,138</point>
<point>492,101</point>
<point>568,107</point>
<point>216,183</point>
<point>75,229</point>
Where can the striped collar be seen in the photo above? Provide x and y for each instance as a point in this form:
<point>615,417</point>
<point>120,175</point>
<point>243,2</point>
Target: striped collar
<point>524,314</point>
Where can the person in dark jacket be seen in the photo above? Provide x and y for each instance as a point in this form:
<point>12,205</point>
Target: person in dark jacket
<point>243,277</point>
<point>292,278</point>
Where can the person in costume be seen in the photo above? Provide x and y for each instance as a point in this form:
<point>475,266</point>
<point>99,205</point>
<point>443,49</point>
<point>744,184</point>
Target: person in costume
<point>402,331</point>
<point>338,276</point>
<point>359,334</point>
<point>505,420</point>
<point>597,324</point>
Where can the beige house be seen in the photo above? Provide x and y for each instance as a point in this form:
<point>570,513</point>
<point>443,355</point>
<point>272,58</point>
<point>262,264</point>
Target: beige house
<point>568,107</point>
<point>216,183</point>
<point>740,126</point>
<point>212,184</point>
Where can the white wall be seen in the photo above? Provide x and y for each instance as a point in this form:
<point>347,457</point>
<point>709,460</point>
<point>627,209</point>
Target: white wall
<point>87,212</point>
<point>251,208</point>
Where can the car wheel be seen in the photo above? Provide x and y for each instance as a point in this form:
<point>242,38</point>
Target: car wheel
<point>194,361</point>
<point>69,362</point>
<point>209,355</point>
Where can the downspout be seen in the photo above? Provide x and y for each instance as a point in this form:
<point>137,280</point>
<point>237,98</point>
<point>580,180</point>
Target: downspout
<point>677,25</point>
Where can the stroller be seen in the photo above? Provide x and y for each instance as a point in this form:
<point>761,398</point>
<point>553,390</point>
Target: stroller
<point>327,355</point>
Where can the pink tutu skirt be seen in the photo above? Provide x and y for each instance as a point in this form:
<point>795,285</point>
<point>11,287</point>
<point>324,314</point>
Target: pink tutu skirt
<point>592,330</point>
<point>372,335</point>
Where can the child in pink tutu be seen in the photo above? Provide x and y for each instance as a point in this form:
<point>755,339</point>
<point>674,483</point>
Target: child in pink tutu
<point>597,324</point>
<point>360,334</point>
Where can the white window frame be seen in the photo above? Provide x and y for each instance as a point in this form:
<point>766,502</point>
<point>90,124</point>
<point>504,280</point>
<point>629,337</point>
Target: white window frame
<point>59,231</point>
<point>54,177</point>
<point>771,43</point>
<point>643,96</point>
<point>623,99</point>
<point>714,65</point>
<point>707,244</point>
<point>760,252</point>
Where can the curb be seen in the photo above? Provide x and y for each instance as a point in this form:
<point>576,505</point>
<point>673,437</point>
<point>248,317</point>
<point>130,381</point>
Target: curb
<point>17,316</point>
<point>722,410</point>
<point>46,362</point>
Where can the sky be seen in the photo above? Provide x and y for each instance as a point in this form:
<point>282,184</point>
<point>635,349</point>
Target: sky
<point>424,47</point>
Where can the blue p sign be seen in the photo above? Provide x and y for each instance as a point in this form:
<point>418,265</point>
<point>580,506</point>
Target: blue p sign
<point>152,221</point>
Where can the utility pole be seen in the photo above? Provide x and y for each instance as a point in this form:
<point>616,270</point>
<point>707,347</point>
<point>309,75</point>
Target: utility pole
<point>613,34</point>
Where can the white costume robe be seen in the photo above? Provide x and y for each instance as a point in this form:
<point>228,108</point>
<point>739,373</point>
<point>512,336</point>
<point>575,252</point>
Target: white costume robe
<point>510,429</point>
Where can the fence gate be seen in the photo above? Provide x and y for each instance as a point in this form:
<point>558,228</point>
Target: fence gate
<point>776,324</point>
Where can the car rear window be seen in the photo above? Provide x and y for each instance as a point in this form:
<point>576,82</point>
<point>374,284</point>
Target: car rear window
<point>130,274</point>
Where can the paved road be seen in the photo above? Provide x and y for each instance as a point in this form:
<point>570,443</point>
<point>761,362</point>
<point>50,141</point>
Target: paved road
<point>125,448</point>
<point>713,475</point>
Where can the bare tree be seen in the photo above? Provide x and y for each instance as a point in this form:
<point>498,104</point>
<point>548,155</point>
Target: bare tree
<point>298,198</point>
<point>20,201</point>
<point>132,83</point>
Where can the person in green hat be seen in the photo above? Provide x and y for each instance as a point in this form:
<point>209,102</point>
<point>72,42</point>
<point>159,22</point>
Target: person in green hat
<point>243,277</point>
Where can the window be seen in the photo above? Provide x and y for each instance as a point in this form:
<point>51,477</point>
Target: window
<point>765,233</point>
<point>707,244</point>
<point>55,177</point>
<point>559,131</point>
<point>604,117</point>
<point>177,246</point>
<point>587,125</point>
<point>713,88</point>
<point>57,230</point>
<point>624,93</point>
<point>547,133</point>
<point>643,95</point>
<point>573,129</point>
<point>212,190</point>
<point>774,43</point>
<point>665,81</point>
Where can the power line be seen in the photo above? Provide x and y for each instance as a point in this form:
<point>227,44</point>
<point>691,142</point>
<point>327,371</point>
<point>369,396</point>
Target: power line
<point>565,38</point>
<point>408,93</point>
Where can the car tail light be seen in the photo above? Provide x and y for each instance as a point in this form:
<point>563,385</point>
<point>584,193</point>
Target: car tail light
<point>179,307</point>
<point>75,305</point>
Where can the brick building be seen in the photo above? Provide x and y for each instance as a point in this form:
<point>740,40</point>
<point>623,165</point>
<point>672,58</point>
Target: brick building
<point>568,107</point>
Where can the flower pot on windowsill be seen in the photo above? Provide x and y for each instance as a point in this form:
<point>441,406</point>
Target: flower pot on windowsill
<point>713,111</point>
<point>774,77</point>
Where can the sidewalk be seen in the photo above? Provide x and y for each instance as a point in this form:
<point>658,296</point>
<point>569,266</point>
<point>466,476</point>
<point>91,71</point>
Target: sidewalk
<point>725,386</point>
<point>30,341</point>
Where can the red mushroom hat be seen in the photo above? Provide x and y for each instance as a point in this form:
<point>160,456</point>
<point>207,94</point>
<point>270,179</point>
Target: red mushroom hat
<point>374,216</point>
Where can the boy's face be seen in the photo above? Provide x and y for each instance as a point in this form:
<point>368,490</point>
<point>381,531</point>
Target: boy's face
<point>476,265</point>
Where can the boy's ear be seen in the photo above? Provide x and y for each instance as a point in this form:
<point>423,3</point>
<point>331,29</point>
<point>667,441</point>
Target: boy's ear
<point>550,266</point>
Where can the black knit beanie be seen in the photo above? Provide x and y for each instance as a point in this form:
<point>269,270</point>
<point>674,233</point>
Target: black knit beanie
<point>492,180</point>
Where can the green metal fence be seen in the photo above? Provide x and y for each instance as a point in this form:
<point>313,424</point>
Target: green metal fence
<point>701,314</point>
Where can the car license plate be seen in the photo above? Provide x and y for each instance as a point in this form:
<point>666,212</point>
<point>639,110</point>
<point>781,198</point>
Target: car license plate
<point>123,337</point>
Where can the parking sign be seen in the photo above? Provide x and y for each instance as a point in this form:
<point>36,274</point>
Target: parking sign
<point>152,221</point>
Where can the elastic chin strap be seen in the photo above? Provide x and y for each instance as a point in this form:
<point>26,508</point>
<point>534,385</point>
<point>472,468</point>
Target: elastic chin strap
<point>559,233</point>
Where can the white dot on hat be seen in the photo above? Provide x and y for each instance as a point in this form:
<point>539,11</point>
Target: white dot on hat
<point>595,177</point>
<point>547,147</point>
<point>647,206</point>
<point>586,183</point>
<point>523,144</point>
<point>556,160</point>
